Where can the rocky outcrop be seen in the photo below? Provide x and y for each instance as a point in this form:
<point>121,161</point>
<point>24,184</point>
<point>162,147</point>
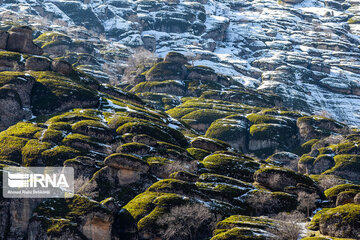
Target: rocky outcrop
<point>3,39</point>
<point>62,67</point>
<point>15,98</point>
<point>20,40</point>
<point>37,64</point>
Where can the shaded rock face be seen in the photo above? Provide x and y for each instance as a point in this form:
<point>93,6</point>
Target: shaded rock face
<point>20,40</point>
<point>15,100</point>
<point>97,225</point>
<point>18,213</point>
<point>37,64</point>
<point>62,67</point>
<point>3,39</point>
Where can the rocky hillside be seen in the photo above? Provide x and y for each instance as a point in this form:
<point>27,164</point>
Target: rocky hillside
<point>299,50</point>
<point>219,145</point>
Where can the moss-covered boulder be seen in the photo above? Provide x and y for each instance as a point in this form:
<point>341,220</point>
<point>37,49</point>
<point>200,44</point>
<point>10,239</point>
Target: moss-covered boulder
<point>77,216</point>
<point>312,127</point>
<point>346,166</point>
<point>333,193</point>
<point>266,137</point>
<point>166,71</point>
<point>239,167</point>
<point>51,89</point>
<point>281,179</point>
<point>209,144</point>
<point>233,130</point>
<point>341,221</point>
<point>126,161</point>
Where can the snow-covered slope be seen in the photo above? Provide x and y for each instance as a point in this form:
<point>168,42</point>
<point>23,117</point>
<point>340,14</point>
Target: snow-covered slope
<point>307,53</point>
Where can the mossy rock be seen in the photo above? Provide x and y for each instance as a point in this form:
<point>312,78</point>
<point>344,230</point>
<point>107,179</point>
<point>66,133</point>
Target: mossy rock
<point>266,131</point>
<point>279,179</point>
<point>306,147</point>
<point>23,130</point>
<point>95,129</point>
<point>50,135</point>
<point>173,186</point>
<point>171,87</point>
<point>83,143</point>
<point>198,153</point>
<point>57,155</point>
<point>51,89</point>
<point>333,192</point>
<point>152,130</point>
<point>346,166</point>
<point>57,215</point>
<point>11,148</point>
<point>241,168</point>
<point>126,161</point>
<point>341,221</point>
<point>62,121</point>
<point>134,148</point>
<point>31,152</point>
<point>209,144</point>
<point>10,56</point>
<point>165,71</point>
<point>201,119</point>
<point>245,222</point>
<point>238,233</point>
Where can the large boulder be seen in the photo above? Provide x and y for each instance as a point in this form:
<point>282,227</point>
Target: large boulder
<point>341,222</point>
<point>20,40</point>
<point>3,39</point>
<point>62,67</point>
<point>37,64</point>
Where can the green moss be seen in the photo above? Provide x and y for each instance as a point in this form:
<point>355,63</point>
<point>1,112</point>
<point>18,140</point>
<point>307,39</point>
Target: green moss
<point>314,224</point>
<point>51,89</point>
<point>61,126</point>
<point>345,163</point>
<point>241,233</point>
<point>89,123</point>
<point>271,131</point>
<point>12,56</point>
<point>133,148</point>
<point>306,159</point>
<point>145,128</point>
<point>307,145</point>
<point>224,190</point>
<point>57,155</point>
<point>171,86</point>
<point>49,37</point>
<point>81,142</point>
<point>164,70</point>
<point>179,112</point>
<point>204,116</point>
<point>259,118</point>
<point>12,77</point>
<point>171,186</point>
<point>345,148</point>
<point>31,152</point>
<point>236,167</point>
<point>11,148</point>
<point>333,192</point>
<point>198,153</point>
<point>299,178</point>
<point>245,221</point>
<point>347,214</point>
<point>23,130</point>
<point>142,204</point>
<point>50,135</point>
<point>157,160</point>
